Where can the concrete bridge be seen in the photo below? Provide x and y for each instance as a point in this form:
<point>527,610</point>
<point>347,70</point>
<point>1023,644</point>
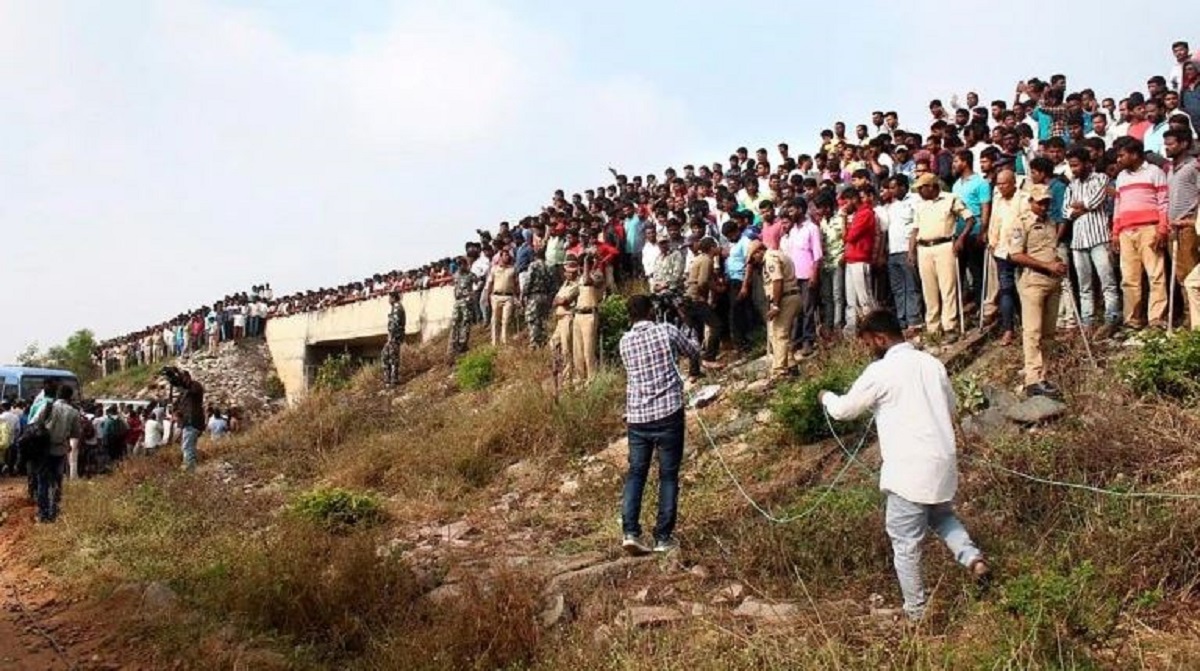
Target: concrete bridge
<point>299,343</point>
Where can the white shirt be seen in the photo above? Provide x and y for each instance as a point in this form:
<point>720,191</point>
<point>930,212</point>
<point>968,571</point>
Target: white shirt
<point>153,434</point>
<point>481,267</point>
<point>900,224</point>
<point>1108,137</point>
<point>650,256</point>
<point>914,405</point>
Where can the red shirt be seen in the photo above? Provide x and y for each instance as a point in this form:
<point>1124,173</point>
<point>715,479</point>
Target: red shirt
<point>860,236</point>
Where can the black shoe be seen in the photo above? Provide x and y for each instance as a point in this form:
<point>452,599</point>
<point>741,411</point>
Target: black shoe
<point>1043,388</point>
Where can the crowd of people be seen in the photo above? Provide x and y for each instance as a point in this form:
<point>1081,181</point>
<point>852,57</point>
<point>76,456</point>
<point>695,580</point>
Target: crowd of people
<point>852,216</point>
<point>58,435</point>
<point>1055,209</point>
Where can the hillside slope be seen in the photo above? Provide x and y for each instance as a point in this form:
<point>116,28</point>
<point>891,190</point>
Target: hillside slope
<point>239,375</point>
<point>497,541</point>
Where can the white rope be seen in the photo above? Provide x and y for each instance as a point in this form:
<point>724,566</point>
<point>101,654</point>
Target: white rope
<point>807,511</point>
<point>1088,488</point>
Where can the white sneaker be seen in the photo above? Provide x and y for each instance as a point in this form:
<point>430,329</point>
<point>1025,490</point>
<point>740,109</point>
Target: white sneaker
<point>634,546</point>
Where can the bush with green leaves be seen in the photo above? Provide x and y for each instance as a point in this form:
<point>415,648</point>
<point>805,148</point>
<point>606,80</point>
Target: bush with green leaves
<point>339,509</point>
<point>614,322</point>
<point>273,387</point>
<point>1166,365</point>
<point>476,369</point>
<point>797,408</point>
<point>335,372</point>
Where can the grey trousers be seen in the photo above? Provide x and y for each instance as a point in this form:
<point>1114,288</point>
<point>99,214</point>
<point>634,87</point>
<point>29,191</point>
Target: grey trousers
<point>907,524</point>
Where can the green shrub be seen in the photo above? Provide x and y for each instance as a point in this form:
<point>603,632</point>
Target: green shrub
<point>335,372</point>
<point>796,407</point>
<point>614,322</point>
<point>273,387</point>
<point>1166,365</point>
<point>476,369</point>
<point>339,509</point>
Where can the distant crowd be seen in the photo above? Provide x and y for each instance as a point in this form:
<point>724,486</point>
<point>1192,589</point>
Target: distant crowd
<point>919,217</point>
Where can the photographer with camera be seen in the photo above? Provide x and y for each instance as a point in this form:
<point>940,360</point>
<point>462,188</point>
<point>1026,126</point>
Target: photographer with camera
<point>189,411</point>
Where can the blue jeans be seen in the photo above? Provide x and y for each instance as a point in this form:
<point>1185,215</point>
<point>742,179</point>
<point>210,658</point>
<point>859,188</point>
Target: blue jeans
<point>188,445</point>
<point>907,523</point>
<point>1097,260</point>
<point>667,436</point>
<point>49,486</point>
<point>1006,275</point>
<point>804,330</point>
<point>905,293</point>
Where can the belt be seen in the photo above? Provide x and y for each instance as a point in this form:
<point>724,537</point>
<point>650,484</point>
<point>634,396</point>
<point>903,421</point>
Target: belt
<point>501,293</point>
<point>790,292</point>
<point>934,242</point>
<point>585,311</point>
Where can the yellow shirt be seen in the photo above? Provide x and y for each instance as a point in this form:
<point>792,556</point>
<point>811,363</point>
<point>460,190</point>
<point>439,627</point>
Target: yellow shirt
<point>934,219</point>
<point>1006,213</point>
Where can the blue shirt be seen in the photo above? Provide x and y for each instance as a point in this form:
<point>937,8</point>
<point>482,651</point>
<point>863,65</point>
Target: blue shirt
<point>1058,193</point>
<point>974,192</point>
<point>524,256</point>
<point>735,264</point>
<point>634,239</point>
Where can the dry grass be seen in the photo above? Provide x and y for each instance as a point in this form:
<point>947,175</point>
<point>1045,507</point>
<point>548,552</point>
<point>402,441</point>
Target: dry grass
<point>1082,580</point>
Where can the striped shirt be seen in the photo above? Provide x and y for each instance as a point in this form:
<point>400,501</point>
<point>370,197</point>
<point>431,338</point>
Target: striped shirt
<point>1141,199</point>
<point>1093,226</point>
<point>1183,187</point>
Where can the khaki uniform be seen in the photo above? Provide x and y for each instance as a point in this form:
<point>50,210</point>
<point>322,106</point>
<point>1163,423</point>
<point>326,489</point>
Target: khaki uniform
<point>504,296</point>
<point>934,221</point>
<point>1040,293</point>
<point>561,340</point>
<point>586,327</point>
<point>778,266</point>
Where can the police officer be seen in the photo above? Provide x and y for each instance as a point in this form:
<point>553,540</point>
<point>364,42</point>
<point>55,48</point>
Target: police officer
<point>538,287</point>
<point>465,303</point>
<point>561,340</point>
<point>1034,247</point>
<point>391,350</point>
<point>586,325</point>
<point>697,302</point>
<point>783,304</point>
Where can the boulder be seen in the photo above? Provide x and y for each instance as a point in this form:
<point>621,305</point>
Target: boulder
<point>596,574</point>
<point>556,608</point>
<point>767,612</point>
<point>990,422</point>
<point>158,598</point>
<point>1035,409</point>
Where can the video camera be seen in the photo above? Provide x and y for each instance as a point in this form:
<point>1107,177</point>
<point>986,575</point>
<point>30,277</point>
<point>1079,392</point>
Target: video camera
<point>174,375</point>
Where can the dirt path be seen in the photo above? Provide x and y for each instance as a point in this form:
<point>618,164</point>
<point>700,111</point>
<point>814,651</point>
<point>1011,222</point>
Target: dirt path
<point>36,632</point>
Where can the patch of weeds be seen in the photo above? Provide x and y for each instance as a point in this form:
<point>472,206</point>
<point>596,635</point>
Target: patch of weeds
<point>971,398</point>
<point>335,372</point>
<point>614,322</point>
<point>796,407</point>
<point>1077,598</point>
<point>273,387</point>
<point>1166,365</point>
<point>476,369</point>
<point>339,509</point>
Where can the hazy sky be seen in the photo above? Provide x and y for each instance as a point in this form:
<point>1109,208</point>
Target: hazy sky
<point>155,156</point>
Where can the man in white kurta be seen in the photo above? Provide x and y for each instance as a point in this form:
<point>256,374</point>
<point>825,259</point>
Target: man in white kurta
<point>914,406</point>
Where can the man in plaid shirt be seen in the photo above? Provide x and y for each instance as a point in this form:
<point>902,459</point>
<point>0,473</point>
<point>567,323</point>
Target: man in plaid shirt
<point>654,413</point>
